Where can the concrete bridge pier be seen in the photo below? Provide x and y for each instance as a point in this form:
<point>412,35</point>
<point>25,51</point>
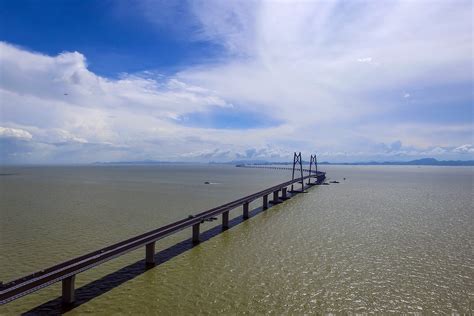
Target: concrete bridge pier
<point>246,210</point>
<point>275,197</point>
<point>150,254</point>
<point>283,193</point>
<point>196,233</point>
<point>68,287</point>
<point>320,179</point>
<point>265,202</point>
<point>225,220</point>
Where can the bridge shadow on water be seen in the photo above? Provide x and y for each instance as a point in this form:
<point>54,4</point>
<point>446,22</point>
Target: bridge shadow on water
<point>117,278</point>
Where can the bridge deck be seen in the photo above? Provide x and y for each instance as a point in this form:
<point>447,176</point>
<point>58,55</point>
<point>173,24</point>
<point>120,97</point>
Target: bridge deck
<point>272,167</point>
<point>35,281</point>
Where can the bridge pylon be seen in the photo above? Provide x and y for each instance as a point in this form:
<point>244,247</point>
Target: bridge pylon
<point>313,160</point>
<point>297,160</point>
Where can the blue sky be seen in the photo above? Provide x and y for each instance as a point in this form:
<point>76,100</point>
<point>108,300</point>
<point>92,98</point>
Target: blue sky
<point>113,35</point>
<point>85,81</point>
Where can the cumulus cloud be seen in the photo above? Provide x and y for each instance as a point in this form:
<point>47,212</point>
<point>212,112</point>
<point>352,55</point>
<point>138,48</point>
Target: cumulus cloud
<point>465,149</point>
<point>15,133</point>
<point>272,152</point>
<point>365,60</point>
<point>303,65</point>
<point>307,65</point>
<point>262,153</point>
<point>208,154</point>
<point>56,100</point>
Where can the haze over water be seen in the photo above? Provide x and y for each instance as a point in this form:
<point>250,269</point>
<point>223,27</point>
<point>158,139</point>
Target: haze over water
<point>387,239</point>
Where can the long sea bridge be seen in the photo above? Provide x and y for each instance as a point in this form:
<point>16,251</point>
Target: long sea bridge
<point>66,271</point>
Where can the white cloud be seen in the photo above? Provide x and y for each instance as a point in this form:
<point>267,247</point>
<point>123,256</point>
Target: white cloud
<point>301,55</point>
<point>321,68</point>
<point>208,154</point>
<point>465,149</point>
<point>57,100</point>
<point>6,132</point>
<point>365,60</point>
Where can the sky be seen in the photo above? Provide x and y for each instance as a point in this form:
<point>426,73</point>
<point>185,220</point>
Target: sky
<point>84,81</point>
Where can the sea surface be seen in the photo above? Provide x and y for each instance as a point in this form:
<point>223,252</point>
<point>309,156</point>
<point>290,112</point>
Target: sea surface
<point>387,239</point>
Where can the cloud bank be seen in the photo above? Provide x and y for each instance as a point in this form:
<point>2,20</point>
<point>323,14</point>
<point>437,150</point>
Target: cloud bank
<point>348,80</point>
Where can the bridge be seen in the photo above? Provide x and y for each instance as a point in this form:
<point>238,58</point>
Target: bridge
<point>67,270</point>
<point>270,167</point>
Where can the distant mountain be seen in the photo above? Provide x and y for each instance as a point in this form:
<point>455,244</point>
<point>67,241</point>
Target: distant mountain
<point>417,162</point>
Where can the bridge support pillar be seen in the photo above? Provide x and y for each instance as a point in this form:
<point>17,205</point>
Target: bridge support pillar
<point>265,202</point>
<point>283,193</point>
<point>246,210</point>
<point>225,220</point>
<point>320,179</point>
<point>150,254</point>
<point>275,197</point>
<point>69,289</point>
<point>196,233</point>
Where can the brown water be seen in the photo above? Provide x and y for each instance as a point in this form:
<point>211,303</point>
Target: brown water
<point>387,239</point>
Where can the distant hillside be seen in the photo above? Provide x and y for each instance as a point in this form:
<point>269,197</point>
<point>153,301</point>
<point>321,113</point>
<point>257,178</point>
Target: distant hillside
<point>417,162</point>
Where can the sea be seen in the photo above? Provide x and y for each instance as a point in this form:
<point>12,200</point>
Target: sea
<point>384,240</point>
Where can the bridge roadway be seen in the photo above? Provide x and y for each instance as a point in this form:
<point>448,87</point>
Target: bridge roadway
<point>272,167</point>
<point>67,270</point>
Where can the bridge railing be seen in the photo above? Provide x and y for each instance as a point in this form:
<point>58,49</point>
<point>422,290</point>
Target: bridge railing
<point>275,168</point>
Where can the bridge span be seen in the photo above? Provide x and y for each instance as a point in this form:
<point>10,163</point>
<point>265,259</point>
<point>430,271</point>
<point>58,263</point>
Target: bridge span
<point>66,271</point>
